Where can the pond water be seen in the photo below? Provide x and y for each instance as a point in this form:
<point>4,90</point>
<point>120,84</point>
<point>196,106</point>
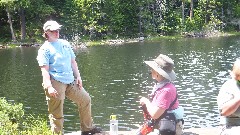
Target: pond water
<point>116,77</point>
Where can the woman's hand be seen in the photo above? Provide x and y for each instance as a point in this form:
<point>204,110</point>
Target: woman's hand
<point>144,100</point>
<point>154,111</point>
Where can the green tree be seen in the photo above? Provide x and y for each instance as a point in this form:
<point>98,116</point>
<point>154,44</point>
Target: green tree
<point>7,5</point>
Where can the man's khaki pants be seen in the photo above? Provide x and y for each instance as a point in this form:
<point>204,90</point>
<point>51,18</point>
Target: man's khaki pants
<point>78,96</point>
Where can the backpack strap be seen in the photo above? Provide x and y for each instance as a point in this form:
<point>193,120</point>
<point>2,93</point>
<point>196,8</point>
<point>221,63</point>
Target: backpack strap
<point>168,108</point>
<point>174,101</point>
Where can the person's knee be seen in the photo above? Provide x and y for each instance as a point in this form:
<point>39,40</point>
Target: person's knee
<point>87,100</point>
<point>86,97</point>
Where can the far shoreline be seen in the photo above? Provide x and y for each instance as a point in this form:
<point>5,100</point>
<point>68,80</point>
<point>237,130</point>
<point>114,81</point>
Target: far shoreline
<point>157,38</point>
<point>84,44</point>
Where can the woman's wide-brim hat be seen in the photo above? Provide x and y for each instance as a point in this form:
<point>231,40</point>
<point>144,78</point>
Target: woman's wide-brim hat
<point>164,66</point>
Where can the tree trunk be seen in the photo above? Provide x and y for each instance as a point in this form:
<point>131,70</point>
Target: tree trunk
<point>206,13</point>
<point>191,10</point>
<point>22,23</point>
<point>10,23</point>
<point>183,6</point>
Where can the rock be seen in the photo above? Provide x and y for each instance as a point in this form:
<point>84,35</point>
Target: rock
<point>191,131</point>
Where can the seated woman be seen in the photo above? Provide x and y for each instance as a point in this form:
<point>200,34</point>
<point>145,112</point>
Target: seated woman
<point>164,95</point>
<point>229,102</point>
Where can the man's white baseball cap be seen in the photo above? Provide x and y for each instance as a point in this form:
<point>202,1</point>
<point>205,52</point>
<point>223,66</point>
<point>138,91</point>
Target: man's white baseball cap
<point>51,25</point>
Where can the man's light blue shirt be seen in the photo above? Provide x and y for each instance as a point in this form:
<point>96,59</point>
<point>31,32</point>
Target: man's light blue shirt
<point>57,55</point>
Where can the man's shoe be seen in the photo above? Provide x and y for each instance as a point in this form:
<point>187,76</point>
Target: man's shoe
<point>92,131</point>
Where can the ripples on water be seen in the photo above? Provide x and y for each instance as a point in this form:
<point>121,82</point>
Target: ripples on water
<point>116,77</point>
<point>201,74</point>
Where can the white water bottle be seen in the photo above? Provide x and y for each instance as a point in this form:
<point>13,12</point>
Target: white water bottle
<point>113,125</point>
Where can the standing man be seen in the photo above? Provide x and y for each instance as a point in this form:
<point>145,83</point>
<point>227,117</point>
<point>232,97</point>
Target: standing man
<point>229,102</point>
<point>61,78</point>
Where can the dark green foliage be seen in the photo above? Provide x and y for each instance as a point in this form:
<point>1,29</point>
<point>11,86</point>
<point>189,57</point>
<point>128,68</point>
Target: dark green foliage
<point>103,19</point>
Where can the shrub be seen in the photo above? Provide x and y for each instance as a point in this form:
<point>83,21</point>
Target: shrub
<point>14,122</point>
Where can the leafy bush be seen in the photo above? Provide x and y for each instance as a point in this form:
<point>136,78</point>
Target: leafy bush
<point>13,121</point>
<point>6,126</point>
<point>35,126</point>
<point>14,112</point>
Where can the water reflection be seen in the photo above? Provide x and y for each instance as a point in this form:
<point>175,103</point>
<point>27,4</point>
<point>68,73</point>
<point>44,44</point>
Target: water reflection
<point>116,77</point>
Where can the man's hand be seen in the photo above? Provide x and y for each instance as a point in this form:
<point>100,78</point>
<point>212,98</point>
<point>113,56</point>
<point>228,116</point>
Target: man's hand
<point>79,82</point>
<point>52,92</point>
